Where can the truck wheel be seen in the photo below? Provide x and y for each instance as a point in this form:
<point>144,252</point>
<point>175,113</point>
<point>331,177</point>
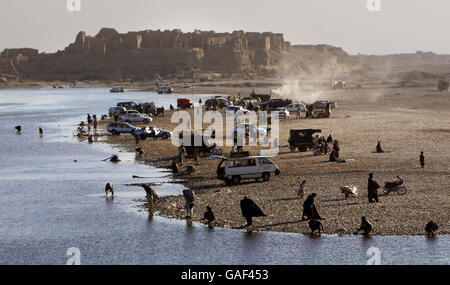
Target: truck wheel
<point>236,179</point>
<point>266,176</point>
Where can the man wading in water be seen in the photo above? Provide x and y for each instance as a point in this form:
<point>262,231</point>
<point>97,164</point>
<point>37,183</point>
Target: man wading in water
<point>188,195</point>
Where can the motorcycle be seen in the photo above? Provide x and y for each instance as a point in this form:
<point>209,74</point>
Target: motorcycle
<point>395,186</point>
<point>321,149</point>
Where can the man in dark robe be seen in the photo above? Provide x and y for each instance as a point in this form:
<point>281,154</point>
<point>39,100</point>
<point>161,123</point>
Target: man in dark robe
<point>379,149</point>
<point>209,215</point>
<point>431,228</point>
<point>336,148</point>
<point>309,209</point>
<point>333,156</point>
<point>422,159</point>
<point>174,166</point>
<point>249,210</point>
<point>329,139</point>
<point>366,226</point>
<point>372,188</point>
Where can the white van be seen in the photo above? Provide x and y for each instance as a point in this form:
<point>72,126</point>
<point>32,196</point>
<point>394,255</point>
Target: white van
<point>233,170</point>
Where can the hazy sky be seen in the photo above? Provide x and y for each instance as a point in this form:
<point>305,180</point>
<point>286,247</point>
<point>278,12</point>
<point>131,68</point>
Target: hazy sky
<point>400,26</point>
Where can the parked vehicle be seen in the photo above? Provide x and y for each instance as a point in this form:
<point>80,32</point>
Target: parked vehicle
<point>233,170</point>
<point>296,107</point>
<point>186,85</point>
<point>157,132</point>
<point>302,139</point>
<point>320,109</point>
<point>208,146</point>
<point>282,113</point>
<point>247,102</point>
<point>133,117</point>
<point>395,186</point>
<point>128,112</point>
<point>184,103</point>
<point>116,128</point>
<point>210,103</point>
<point>236,110</point>
<point>337,84</point>
<point>116,90</point>
<point>164,87</point>
<point>275,103</point>
<point>116,111</point>
<point>249,129</point>
<point>147,108</point>
<point>143,133</point>
<point>261,97</point>
<point>127,105</point>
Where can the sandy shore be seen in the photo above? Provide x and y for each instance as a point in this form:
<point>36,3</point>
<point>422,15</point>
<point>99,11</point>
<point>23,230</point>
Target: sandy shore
<point>407,120</point>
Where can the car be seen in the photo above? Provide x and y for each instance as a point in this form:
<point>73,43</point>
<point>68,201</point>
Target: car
<point>164,87</point>
<point>186,85</point>
<point>129,112</point>
<point>117,128</point>
<point>296,107</point>
<point>210,103</point>
<point>236,110</point>
<point>116,111</point>
<point>128,105</point>
<point>275,103</point>
<point>249,129</point>
<point>233,170</point>
<point>143,133</point>
<point>133,117</point>
<point>157,132</point>
<point>282,113</point>
<point>184,103</point>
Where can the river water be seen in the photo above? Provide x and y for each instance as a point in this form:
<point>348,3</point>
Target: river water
<point>49,203</point>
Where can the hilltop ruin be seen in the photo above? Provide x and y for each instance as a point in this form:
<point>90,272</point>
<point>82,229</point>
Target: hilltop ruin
<point>148,54</point>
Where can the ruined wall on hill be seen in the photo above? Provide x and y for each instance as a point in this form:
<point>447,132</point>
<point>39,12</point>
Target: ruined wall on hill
<point>111,55</point>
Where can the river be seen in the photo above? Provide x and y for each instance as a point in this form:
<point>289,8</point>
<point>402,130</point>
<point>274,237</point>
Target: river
<point>50,203</point>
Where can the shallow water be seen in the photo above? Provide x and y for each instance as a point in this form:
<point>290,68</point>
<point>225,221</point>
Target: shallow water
<point>50,203</point>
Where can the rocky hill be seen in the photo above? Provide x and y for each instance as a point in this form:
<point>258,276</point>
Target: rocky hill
<point>404,59</point>
<point>110,55</point>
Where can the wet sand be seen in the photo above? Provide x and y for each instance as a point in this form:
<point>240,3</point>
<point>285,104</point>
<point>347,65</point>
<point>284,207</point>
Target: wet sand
<point>406,120</point>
